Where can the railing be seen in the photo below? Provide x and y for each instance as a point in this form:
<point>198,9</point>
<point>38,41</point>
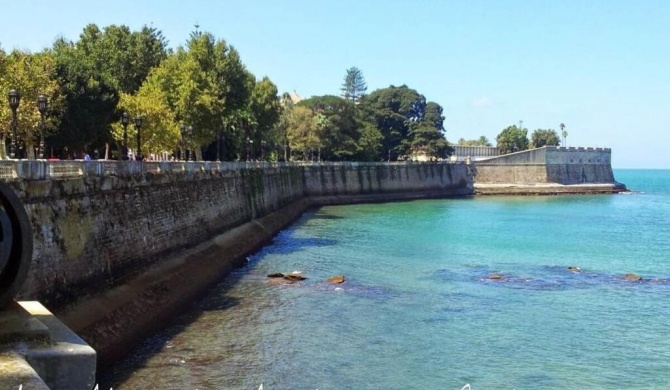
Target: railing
<point>72,169</point>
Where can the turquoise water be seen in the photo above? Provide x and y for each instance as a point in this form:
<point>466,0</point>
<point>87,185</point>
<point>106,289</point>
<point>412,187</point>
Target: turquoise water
<point>418,310</point>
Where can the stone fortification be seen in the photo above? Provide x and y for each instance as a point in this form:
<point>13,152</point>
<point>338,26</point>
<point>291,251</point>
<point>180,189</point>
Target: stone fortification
<point>97,222</point>
<point>549,165</point>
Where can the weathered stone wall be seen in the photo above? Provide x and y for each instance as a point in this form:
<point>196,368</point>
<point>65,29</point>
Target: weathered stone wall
<point>371,178</point>
<point>547,165</point>
<point>95,223</point>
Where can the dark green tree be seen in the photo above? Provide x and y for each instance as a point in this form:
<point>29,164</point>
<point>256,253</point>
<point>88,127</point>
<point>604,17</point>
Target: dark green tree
<point>338,126</point>
<point>354,86</point>
<point>89,98</point>
<point>512,139</point>
<point>265,107</point>
<point>544,137</point>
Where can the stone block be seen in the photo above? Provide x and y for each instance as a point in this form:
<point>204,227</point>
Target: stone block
<point>47,355</point>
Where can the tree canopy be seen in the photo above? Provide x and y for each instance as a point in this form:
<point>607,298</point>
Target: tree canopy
<point>544,137</point>
<point>203,85</point>
<point>512,139</point>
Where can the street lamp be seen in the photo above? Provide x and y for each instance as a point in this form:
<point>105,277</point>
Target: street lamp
<point>138,125</point>
<point>42,103</point>
<point>14,98</point>
<point>182,131</point>
<point>246,144</point>
<point>190,136</point>
<point>218,145</point>
<point>125,119</point>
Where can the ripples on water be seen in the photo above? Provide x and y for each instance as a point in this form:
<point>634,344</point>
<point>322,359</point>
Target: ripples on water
<point>419,310</point>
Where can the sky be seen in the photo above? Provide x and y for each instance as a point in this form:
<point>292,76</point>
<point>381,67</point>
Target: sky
<point>600,67</point>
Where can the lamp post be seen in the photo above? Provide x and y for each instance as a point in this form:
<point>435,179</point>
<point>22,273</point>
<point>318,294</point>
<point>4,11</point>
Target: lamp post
<point>218,145</point>
<point>223,147</point>
<point>138,125</point>
<point>42,103</point>
<point>246,143</point>
<point>182,131</point>
<point>190,136</point>
<point>14,98</point>
<point>263,143</point>
<point>125,119</point>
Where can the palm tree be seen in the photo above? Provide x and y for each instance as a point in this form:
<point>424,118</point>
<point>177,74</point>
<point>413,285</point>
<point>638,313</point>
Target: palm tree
<point>564,133</point>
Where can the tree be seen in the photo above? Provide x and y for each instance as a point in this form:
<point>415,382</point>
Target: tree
<point>564,133</point>
<point>265,108</point>
<point>354,86</point>
<point>282,125</point>
<point>482,141</point>
<point>512,139</point>
<point>32,75</point>
<point>339,128</point>
<point>544,137</point>
<point>303,134</point>
<point>426,136</point>
<point>160,131</point>
<point>392,110</point>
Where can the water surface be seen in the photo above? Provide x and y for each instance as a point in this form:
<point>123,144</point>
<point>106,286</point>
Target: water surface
<point>418,310</point>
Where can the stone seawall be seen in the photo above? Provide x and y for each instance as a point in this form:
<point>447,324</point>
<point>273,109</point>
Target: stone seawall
<point>96,223</point>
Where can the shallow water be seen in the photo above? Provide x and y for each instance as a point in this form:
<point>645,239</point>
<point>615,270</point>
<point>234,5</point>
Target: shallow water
<point>419,310</point>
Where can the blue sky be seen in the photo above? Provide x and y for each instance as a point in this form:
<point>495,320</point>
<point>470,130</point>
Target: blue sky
<point>600,67</point>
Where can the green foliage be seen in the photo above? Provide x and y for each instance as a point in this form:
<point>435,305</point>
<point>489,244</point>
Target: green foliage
<point>303,132</point>
<point>92,73</point>
<point>31,75</point>
<point>160,131</point>
<point>354,86</point>
<point>410,127</point>
<point>266,108</point>
<point>564,134</point>
<point>544,137</point>
<point>512,139</point>
<point>482,141</point>
<point>338,126</point>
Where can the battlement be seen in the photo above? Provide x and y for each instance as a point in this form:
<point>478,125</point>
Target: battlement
<point>578,149</point>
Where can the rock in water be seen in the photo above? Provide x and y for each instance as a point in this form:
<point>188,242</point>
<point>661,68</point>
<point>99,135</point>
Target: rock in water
<point>276,275</point>
<point>495,277</point>
<point>574,269</point>
<point>294,277</point>
<point>336,279</point>
<point>632,277</point>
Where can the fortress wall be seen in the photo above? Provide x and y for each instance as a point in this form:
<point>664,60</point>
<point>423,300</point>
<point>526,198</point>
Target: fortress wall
<point>549,164</point>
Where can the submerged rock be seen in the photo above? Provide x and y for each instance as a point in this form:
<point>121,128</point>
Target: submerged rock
<point>632,277</point>
<point>276,275</point>
<point>495,277</point>
<point>574,269</point>
<point>336,279</point>
<point>294,277</point>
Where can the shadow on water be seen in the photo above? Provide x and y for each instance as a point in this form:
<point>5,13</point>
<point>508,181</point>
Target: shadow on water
<point>217,298</point>
<point>114,376</point>
<point>325,216</point>
<point>295,244</point>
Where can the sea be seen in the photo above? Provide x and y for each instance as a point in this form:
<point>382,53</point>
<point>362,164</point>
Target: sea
<point>513,292</point>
